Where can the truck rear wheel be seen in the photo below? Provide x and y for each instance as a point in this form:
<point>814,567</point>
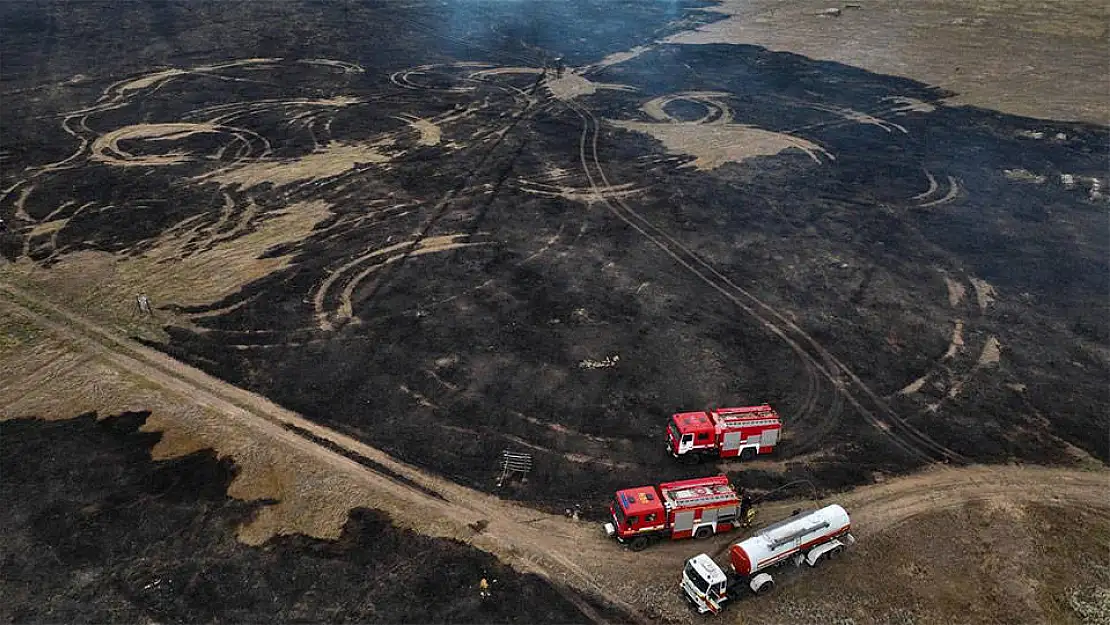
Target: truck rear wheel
<point>747,454</point>
<point>703,532</point>
<point>638,544</point>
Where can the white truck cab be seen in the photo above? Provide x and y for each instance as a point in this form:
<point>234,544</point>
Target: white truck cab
<point>704,584</point>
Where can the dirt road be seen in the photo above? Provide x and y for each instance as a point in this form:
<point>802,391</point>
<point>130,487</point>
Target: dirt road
<point>524,546</point>
<point>568,553</point>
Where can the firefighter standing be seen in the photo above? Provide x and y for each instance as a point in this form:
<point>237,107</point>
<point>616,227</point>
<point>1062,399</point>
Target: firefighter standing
<point>746,511</point>
<point>144,305</point>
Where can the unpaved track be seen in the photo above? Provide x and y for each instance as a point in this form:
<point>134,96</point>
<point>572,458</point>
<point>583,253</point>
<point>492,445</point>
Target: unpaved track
<point>883,507</point>
<point>574,554</point>
<point>526,546</point>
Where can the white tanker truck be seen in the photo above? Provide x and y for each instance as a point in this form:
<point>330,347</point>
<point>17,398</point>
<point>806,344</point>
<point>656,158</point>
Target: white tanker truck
<point>802,538</point>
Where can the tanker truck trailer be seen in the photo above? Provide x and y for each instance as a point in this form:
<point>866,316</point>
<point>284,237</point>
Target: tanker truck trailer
<point>807,538</point>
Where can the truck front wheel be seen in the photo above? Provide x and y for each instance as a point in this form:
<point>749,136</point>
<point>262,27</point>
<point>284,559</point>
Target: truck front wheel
<point>689,458</point>
<point>703,532</point>
<point>762,584</point>
<point>747,454</point>
<point>638,544</point>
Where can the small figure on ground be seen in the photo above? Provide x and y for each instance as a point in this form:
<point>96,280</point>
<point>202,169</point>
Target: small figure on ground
<point>144,305</point>
<point>483,589</point>
<point>747,513</point>
<point>560,67</point>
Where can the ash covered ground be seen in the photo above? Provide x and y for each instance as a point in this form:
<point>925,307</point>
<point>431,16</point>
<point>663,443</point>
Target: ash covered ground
<point>97,532</point>
<point>388,218</point>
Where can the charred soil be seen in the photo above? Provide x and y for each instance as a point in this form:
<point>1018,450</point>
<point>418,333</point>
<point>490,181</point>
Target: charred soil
<point>96,531</point>
<point>414,225</point>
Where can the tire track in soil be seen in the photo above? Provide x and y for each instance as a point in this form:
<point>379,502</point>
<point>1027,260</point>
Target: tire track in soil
<point>813,387</point>
<point>535,547</point>
<point>570,555</point>
<point>880,508</point>
<point>443,207</point>
<point>908,438</point>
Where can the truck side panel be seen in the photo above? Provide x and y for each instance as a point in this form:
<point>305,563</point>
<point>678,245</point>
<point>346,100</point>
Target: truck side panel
<point>762,564</point>
<point>709,515</point>
<point>683,524</point>
<point>730,444</point>
<point>768,439</point>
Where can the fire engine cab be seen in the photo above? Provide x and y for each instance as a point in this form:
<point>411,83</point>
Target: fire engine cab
<point>724,433</point>
<point>689,508</point>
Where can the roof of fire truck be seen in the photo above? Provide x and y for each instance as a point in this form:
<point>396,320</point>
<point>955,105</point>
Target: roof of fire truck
<point>704,420</point>
<point>687,421</point>
<point>763,411</point>
<point>698,492</point>
<point>635,501</point>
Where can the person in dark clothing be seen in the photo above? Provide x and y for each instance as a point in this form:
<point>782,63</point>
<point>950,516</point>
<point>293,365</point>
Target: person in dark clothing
<point>745,508</point>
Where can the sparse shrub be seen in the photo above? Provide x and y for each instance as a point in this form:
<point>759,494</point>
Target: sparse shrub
<point>1091,605</point>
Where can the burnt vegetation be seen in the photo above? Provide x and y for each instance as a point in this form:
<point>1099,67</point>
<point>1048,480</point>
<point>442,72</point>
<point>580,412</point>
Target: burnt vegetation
<point>96,532</point>
<point>449,358</point>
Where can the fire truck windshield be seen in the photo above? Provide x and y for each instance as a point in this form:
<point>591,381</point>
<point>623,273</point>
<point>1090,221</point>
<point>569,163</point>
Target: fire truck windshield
<point>619,513</point>
<point>696,579</point>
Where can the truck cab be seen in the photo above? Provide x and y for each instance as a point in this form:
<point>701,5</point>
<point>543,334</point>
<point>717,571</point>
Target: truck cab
<point>637,515</point>
<point>704,584</point>
<point>691,431</point>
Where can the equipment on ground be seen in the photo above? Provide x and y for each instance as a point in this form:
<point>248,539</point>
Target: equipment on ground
<point>802,538</point>
<point>689,508</point>
<point>724,433</point>
<point>514,463</point>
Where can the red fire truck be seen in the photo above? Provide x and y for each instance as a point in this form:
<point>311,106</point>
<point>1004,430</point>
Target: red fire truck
<point>690,508</point>
<point>724,433</point>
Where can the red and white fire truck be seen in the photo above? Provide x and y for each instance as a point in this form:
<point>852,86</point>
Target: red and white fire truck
<point>690,508</point>
<point>802,539</point>
<point>724,433</point>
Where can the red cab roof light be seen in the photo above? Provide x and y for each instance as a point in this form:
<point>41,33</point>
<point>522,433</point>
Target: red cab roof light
<point>640,500</point>
<point>692,421</point>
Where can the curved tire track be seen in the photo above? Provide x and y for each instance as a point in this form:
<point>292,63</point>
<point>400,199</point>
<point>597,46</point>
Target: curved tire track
<point>903,435</point>
<point>575,554</point>
<point>507,536</point>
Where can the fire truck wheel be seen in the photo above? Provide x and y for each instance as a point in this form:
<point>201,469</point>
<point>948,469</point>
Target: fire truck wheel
<point>703,532</point>
<point>833,553</point>
<point>689,458</point>
<point>638,544</point>
<point>747,454</point>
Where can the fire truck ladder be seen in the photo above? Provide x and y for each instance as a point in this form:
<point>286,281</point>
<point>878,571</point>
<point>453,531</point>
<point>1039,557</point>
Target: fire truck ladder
<point>676,499</point>
<point>512,463</point>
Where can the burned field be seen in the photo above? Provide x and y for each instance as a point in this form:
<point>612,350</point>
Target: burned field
<point>96,531</point>
<point>426,242</point>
